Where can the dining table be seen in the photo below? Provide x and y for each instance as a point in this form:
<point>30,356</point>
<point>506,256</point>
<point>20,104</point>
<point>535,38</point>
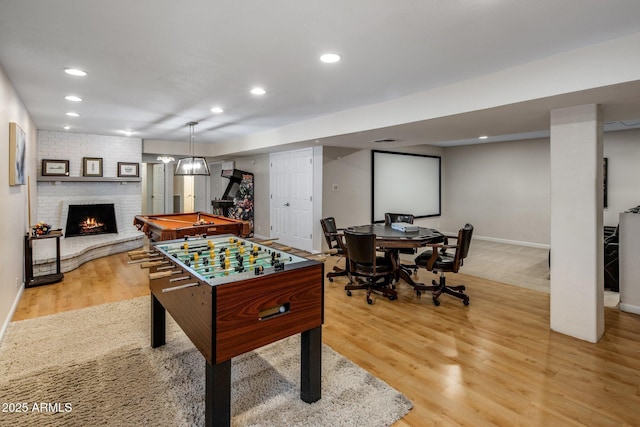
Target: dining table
<point>391,240</point>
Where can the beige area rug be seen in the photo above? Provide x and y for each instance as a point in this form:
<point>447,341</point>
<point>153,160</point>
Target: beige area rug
<point>95,367</point>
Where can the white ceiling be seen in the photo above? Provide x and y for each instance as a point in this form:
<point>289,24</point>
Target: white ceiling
<point>154,65</point>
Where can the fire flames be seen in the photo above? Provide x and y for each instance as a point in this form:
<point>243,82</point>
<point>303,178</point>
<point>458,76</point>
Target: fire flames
<point>91,225</point>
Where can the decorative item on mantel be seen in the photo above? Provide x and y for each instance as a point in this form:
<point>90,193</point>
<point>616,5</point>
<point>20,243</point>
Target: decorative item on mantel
<point>40,229</point>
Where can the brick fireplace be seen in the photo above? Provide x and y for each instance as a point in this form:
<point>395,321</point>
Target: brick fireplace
<point>58,197</point>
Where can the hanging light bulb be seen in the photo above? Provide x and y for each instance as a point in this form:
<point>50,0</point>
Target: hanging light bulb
<point>166,159</point>
<point>192,165</point>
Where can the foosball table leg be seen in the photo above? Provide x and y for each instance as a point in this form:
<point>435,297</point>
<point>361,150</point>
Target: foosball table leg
<point>158,323</point>
<point>311,365</point>
<point>217,411</point>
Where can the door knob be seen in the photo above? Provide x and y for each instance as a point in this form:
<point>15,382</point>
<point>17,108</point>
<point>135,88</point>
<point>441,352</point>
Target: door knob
<point>286,204</point>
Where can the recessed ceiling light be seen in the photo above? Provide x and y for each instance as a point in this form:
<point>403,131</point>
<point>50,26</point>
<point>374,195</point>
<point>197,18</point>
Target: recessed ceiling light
<point>483,137</point>
<point>67,127</point>
<point>75,72</point>
<point>73,98</point>
<point>72,114</point>
<point>258,91</point>
<point>217,110</point>
<point>330,58</point>
<point>128,132</point>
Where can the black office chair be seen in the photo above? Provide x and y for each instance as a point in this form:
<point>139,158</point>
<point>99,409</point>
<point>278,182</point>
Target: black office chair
<point>390,218</point>
<point>441,262</point>
<point>335,242</point>
<point>365,263</point>
<point>611,265</point>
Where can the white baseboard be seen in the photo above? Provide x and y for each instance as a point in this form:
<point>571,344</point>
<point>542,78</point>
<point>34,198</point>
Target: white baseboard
<point>629,308</point>
<point>6,322</point>
<point>512,242</point>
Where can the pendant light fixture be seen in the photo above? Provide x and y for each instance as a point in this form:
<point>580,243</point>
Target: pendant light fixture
<point>192,165</point>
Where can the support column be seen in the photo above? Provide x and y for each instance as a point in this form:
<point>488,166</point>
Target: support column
<point>577,294</point>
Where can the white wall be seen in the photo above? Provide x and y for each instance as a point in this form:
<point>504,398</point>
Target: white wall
<point>14,215</point>
<point>623,151</point>
<point>350,171</point>
<point>502,188</point>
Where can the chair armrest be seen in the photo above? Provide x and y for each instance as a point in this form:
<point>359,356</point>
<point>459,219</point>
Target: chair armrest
<point>611,248</point>
<point>436,253</point>
<point>441,246</point>
<point>611,240</point>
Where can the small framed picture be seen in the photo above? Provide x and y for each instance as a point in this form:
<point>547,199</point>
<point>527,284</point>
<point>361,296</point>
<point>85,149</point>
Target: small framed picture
<point>91,166</point>
<point>128,169</point>
<point>55,167</point>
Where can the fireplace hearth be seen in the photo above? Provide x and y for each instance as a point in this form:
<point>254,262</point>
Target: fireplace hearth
<point>90,220</point>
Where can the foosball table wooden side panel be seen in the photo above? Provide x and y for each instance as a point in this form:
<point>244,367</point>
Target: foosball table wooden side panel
<point>255,312</point>
<point>191,307</point>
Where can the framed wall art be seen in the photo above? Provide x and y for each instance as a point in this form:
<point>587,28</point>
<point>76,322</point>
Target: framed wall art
<point>17,151</point>
<point>55,167</point>
<point>128,169</point>
<point>91,166</point>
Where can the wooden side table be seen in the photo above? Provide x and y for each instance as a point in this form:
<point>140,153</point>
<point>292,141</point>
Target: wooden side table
<point>47,279</point>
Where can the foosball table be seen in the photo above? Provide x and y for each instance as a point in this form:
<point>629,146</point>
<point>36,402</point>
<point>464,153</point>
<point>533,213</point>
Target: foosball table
<point>231,296</point>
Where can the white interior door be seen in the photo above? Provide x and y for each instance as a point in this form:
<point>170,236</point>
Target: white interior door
<point>200,188</point>
<point>157,192</point>
<point>291,182</point>
<point>188,193</point>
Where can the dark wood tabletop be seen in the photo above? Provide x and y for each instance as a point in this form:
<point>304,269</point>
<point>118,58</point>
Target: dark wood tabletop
<point>388,237</point>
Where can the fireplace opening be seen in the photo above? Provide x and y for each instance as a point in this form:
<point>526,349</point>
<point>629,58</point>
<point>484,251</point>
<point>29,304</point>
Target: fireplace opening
<point>89,220</point>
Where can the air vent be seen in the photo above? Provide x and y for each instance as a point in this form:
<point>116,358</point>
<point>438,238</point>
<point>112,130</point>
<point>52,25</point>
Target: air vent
<point>384,140</point>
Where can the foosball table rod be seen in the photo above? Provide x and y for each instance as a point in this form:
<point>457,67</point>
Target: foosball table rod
<point>153,264</point>
<point>147,259</point>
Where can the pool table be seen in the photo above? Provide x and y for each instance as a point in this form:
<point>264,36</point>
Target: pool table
<point>178,225</point>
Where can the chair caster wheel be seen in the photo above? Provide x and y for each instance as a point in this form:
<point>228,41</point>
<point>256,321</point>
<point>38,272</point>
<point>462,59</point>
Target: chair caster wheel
<point>348,293</point>
<point>465,302</point>
<point>392,297</point>
<point>331,279</point>
<point>436,302</point>
<point>418,293</point>
<point>369,301</point>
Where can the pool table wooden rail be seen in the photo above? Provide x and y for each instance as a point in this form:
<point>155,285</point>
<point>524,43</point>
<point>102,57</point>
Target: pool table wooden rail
<point>176,226</point>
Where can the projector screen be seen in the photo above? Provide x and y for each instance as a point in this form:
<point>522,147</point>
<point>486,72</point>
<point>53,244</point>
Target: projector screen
<point>404,183</point>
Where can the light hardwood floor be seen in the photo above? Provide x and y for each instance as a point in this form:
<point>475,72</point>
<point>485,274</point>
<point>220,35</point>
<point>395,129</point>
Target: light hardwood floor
<point>494,362</point>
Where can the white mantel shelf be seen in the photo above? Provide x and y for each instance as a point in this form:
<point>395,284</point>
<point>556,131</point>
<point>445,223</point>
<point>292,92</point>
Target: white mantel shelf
<point>87,179</point>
